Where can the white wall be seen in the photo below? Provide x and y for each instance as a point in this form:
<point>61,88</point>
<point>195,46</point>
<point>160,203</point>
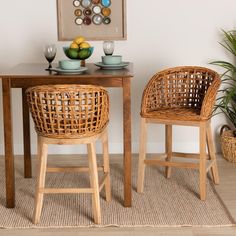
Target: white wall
<point>161,34</point>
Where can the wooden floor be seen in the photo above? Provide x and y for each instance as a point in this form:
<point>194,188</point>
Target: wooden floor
<point>226,189</point>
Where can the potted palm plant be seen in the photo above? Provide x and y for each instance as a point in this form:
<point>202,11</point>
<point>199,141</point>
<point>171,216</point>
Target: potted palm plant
<point>226,103</point>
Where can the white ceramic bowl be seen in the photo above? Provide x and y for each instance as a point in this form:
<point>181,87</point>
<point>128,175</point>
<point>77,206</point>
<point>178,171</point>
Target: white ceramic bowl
<point>69,64</point>
<point>112,60</point>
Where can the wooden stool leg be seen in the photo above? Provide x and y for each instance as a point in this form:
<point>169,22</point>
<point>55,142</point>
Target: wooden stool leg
<point>211,150</point>
<point>90,176</point>
<point>42,164</point>
<point>202,164</point>
<point>168,136</point>
<point>106,166</point>
<point>94,182</point>
<point>142,155</point>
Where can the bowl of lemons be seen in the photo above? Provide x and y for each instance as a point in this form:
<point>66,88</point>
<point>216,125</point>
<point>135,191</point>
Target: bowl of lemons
<point>79,49</point>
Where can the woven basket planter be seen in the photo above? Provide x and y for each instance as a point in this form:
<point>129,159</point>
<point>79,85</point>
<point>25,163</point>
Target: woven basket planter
<point>228,143</point>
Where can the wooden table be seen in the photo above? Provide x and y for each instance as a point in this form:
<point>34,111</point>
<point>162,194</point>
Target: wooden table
<point>28,75</point>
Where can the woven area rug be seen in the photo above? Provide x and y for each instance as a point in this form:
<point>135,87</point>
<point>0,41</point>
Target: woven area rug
<point>165,202</point>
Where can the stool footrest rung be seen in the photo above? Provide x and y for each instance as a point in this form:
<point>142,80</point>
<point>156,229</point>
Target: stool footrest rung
<point>188,155</point>
<point>71,169</point>
<point>66,190</point>
<point>186,165</point>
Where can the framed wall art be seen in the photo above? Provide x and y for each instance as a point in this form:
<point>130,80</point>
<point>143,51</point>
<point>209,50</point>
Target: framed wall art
<point>93,19</point>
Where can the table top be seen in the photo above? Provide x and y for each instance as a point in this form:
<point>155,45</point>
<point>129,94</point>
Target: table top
<point>25,70</point>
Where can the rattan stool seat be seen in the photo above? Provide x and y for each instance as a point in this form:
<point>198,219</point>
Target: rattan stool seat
<point>69,115</point>
<point>180,96</point>
<point>75,111</point>
<point>180,113</point>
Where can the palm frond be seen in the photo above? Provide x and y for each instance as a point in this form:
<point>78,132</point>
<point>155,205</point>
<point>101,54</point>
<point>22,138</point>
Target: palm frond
<point>226,102</point>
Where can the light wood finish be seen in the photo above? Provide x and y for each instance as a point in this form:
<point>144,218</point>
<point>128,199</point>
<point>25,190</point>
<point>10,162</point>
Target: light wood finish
<point>211,151</point>
<point>142,155</point>
<point>71,114</point>
<point>102,183</point>
<point>40,179</point>
<point>168,140</point>
<point>71,169</point>
<point>106,180</point>
<point>65,190</point>
<point>187,155</point>
<point>33,74</point>
<point>172,164</point>
<point>210,165</point>
<point>202,164</point>
<point>93,169</point>
<point>94,183</point>
<point>181,96</point>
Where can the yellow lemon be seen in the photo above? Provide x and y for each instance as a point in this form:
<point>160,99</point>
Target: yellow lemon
<point>74,45</point>
<point>84,45</point>
<point>79,40</point>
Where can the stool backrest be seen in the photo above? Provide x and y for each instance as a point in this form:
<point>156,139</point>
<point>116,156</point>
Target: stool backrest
<point>180,87</point>
<point>68,111</point>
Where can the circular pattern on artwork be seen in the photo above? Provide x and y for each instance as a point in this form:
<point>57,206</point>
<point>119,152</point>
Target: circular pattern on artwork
<point>106,3</point>
<point>97,10</point>
<point>106,11</point>
<point>87,12</point>
<point>106,20</point>
<point>95,1</point>
<point>87,20</point>
<point>78,12</point>
<point>79,21</point>
<point>86,3</point>
<point>92,11</point>
<point>97,19</point>
<point>76,3</point>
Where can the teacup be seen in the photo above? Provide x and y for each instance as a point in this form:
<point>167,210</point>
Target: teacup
<point>112,60</point>
<point>69,64</point>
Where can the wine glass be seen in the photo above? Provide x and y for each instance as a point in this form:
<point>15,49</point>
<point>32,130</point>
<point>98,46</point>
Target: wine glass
<point>50,51</point>
<point>108,47</point>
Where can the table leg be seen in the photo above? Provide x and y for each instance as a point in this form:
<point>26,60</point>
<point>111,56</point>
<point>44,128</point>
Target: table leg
<point>8,140</point>
<point>26,134</point>
<point>127,141</point>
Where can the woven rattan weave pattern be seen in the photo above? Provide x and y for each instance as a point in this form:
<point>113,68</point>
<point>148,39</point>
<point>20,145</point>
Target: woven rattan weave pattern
<point>181,96</point>
<point>228,145</point>
<point>188,92</point>
<point>68,111</point>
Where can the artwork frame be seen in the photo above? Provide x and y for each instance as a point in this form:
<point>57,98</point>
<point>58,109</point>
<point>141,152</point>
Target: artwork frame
<point>69,28</point>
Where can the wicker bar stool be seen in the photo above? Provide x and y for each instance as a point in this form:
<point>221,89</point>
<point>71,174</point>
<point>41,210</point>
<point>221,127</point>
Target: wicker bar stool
<point>71,114</point>
<point>180,96</point>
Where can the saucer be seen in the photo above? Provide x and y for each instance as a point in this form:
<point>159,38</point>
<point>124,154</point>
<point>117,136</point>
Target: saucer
<point>112,67</point>
<point>69,72</point>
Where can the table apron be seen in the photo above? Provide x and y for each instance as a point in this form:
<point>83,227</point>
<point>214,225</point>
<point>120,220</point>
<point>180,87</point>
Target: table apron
<point>34,81</point>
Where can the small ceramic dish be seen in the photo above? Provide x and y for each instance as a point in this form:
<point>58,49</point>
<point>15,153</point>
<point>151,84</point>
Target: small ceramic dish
<point>112,60</point>
<point>69,72</point>
<point>102,66</point>
<point>69,64</point>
